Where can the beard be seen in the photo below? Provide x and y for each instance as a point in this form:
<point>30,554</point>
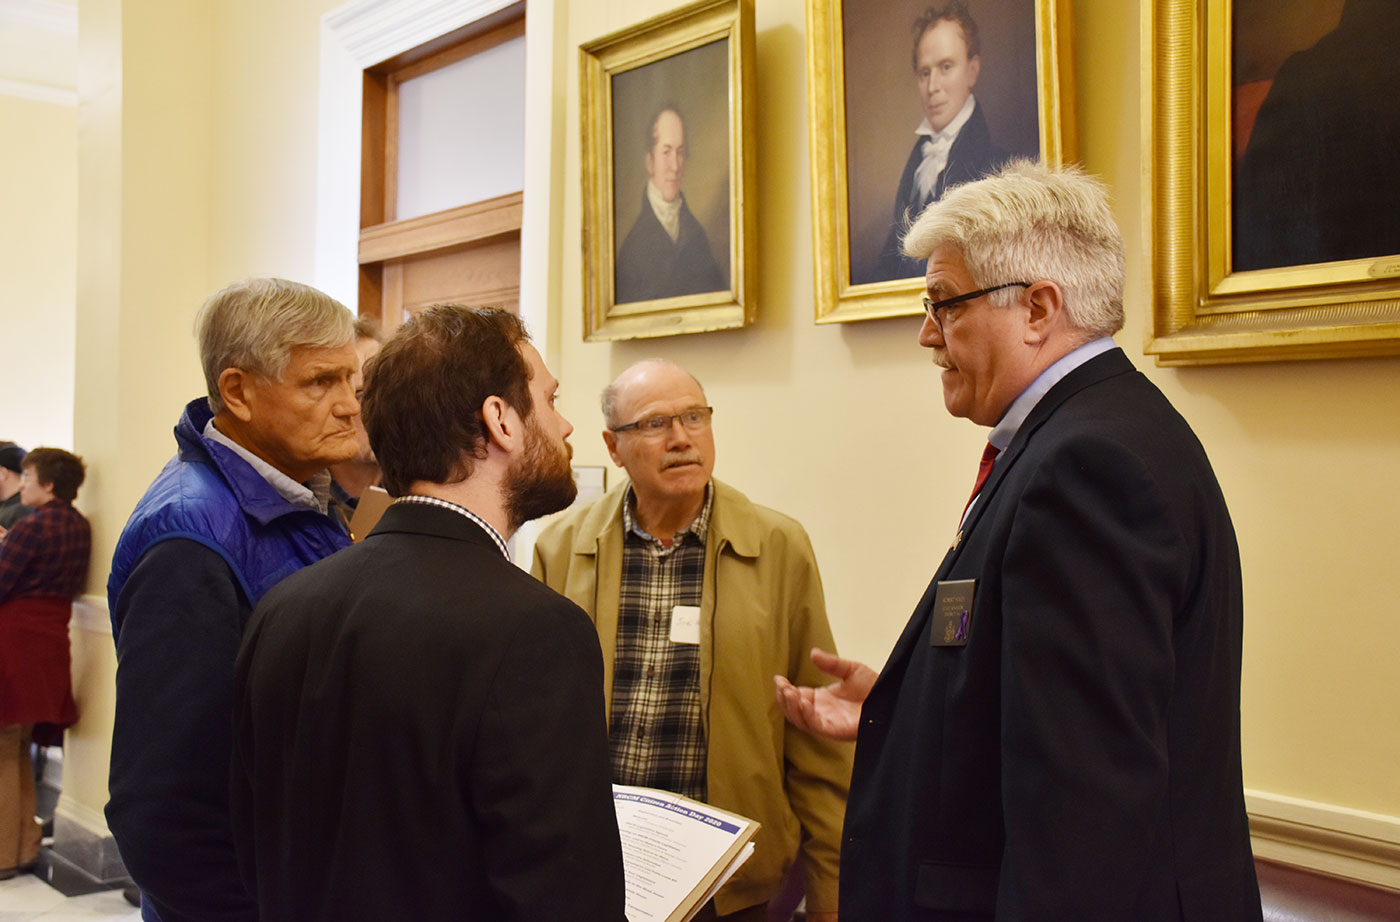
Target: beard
<point>542,481</point>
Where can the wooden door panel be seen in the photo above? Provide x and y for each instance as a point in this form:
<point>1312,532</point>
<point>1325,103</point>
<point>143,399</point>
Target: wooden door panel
<point>483,274</point>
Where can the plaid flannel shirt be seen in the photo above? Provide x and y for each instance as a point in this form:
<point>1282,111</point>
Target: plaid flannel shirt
<point>657,733</point>
<point>45,554</point>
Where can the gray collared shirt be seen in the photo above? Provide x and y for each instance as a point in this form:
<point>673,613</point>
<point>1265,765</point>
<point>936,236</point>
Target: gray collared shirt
<point>314,494</point>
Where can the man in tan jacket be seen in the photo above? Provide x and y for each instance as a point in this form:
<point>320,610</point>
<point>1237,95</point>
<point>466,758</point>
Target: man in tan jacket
<point>700,597</point>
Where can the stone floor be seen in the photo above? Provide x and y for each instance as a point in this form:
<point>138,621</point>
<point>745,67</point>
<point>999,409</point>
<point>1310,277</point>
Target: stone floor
<point>56,892</point>
<point>26,897</point>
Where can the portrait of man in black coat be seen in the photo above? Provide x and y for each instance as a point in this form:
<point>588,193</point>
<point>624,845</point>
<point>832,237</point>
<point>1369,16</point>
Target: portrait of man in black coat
<point>666,253</point>
<point>977,102</point>
<point>953,143</point>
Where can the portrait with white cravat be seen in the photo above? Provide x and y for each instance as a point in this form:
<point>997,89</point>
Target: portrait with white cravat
<point>973,63</point>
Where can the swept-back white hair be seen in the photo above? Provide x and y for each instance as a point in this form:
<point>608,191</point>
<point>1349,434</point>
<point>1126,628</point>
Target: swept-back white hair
<point>1030,222</point>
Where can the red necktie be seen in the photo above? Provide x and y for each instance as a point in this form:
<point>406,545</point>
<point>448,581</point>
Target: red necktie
<point>984,467</point>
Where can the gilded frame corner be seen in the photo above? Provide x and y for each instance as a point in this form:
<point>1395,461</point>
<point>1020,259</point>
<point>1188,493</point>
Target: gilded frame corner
<point>1203,312</point>
<point>837,298</point>
<point>649,42</point>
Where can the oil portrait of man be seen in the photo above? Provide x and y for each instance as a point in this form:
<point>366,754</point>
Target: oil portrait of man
<point>671,183</point>
<point>973,64</point>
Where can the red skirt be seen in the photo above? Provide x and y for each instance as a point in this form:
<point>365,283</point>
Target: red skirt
<point>35,665</point>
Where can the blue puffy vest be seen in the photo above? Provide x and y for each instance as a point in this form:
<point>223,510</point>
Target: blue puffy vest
<point>208,494</point>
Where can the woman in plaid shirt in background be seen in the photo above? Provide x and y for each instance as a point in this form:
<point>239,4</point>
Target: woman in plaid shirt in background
<point>43,565</point>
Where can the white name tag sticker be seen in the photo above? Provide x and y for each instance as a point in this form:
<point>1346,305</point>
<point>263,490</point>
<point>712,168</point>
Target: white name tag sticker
<point>685,624</point>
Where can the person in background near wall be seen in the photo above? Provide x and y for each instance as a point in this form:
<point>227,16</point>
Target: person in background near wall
<point>43,566</point>
<point>954,144</point>
<point>1056,734</point>
<point>350,479</point>
<point>698,596</point>
<point>418,724</point>
<point>241,505</point>
<point>12,507</point>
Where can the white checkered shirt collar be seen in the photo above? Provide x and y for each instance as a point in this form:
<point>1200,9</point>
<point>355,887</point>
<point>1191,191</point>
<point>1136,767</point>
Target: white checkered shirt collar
<point>461,510</point>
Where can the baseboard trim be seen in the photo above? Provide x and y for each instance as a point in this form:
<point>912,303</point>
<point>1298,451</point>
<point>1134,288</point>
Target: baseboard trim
<point>82,839</point>
<point>1341,842</point>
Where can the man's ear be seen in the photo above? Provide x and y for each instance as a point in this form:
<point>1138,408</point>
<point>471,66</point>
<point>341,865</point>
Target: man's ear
<point>234,384</point>
<point>610,440</point>
<point>504,427</point>
<point>974,68</point>
<point>1046,304</point>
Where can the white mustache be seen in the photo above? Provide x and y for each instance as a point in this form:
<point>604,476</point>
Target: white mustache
<point>940,358</point>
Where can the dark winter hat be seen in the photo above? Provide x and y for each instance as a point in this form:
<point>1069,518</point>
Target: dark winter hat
<point>12,456</point>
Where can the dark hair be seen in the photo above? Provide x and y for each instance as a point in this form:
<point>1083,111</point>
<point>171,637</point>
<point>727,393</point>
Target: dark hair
<point>12,457</point>
<point>955,11</point>
<point>424,391</point>
<point>656,117</point>
<point>63,470</point>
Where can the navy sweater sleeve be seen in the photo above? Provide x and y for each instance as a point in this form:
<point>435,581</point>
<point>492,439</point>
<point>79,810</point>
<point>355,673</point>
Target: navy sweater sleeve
<point>180,617</point>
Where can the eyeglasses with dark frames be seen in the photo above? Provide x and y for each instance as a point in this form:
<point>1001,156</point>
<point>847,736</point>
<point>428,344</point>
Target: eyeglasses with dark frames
<point>695,419</point>
<point>932,308</point>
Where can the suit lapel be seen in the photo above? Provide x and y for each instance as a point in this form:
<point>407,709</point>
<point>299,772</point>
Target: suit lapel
<point>1097,369</point>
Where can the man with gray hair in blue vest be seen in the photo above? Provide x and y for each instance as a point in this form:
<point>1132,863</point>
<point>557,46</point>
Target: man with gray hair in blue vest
<point>241,505</point>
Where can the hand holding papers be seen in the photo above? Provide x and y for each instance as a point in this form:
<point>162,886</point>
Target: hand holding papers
<point>676,852</point>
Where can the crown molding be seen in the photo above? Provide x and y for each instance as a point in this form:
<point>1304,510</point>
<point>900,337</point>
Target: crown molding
<point>38,93</point>
<point>376,30</point>
<point>41,14</point>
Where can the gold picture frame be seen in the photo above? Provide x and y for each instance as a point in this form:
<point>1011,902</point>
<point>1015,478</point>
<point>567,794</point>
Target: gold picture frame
<point>1041,116</point>
<point>696,63</point>
<point>1204,312</point>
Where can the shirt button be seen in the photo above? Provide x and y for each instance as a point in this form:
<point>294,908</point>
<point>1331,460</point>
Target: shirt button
<point>655,619</point>
<point>651,672</point>
<point>640,734</point>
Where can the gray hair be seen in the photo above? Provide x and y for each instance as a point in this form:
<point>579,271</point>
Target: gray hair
<point>253,325</point>
<point>608,399</point>
<point>1030,222</point>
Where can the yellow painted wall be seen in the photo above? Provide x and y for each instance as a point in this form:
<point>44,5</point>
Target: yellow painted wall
<point>841,426</point>
<point>38,240</point>
<point>143,183</point>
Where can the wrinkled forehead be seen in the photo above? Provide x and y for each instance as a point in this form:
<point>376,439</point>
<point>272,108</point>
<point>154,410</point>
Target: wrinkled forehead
<point>946,273</point>
<point>660,388</point>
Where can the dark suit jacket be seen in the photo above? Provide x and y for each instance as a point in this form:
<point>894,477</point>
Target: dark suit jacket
<point>419,734</point>
<point>650,265</point>
<point>972,156</point>
<point>1079,758</point>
